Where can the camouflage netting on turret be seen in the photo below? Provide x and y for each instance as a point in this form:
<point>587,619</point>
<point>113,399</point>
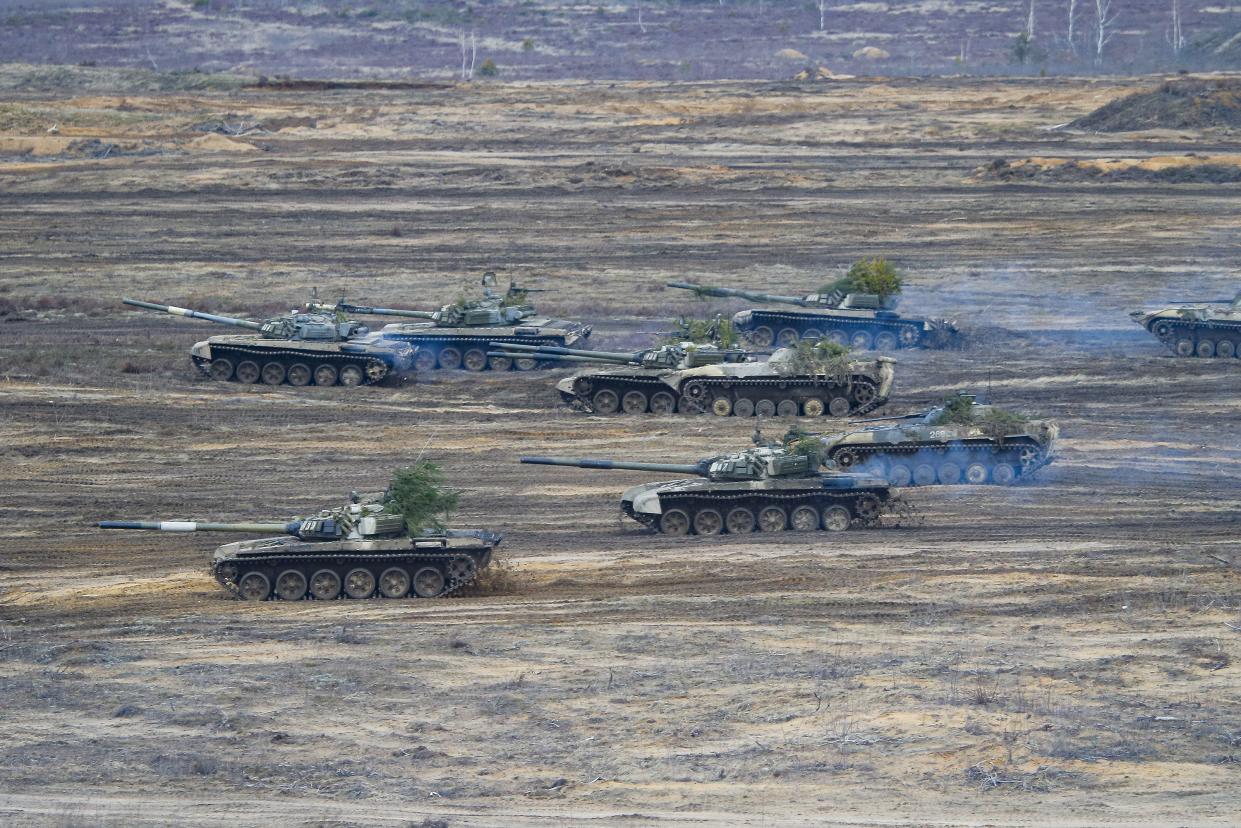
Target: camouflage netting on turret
<point>876,276</point>
<point>417,492</point>
<point>824,358</point>
<point>995,422</point>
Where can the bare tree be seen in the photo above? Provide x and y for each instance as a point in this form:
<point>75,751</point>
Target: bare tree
<point>1030,22</point>
<point>1072,37</point>
<point>467,57</point>
<point>1175,36</point>
<point>822,15</point>
<point>1105,19</point>
<point>461,42</point>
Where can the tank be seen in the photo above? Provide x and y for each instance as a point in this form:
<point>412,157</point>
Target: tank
<point>863,321</point>
<point>694,379</point>
<point>961,441</point>
<point>296,348</point>
<point>1208,329</point>
<point>359,550</point>
<point>456,335</point>
<point>761,489</point>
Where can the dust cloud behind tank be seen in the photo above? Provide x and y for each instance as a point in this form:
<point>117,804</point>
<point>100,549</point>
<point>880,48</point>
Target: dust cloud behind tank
<point>762,489</point>
<point>695,379</point>
<point>457,335</point>
<point>297,348</point>
<point>961,441</point>
<point>362,549</point>
<point>1205,329</point>
<point>861,321</point>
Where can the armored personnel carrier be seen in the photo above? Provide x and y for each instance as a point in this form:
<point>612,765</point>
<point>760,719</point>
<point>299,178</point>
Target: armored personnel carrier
<point>863,321</point>
<point>765,489</point>
<point>1211,329</point>
<point>297,348</point>
<point>961,441</point>
<point>360,550</point>
<point>694,379</point>
<point>456,335</point>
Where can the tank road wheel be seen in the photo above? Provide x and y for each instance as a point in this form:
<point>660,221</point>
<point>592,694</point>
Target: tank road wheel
<point>254,586</point>
<point>325,585</point>
<point>1206,349</point>
<point>688,405</point>
<point>424,360</point>
<point>924,474</point>
<point>812,334</point>
<point>813,407</point>
<point>868,508</point>
<point>394,582</point>
<point>976,473</point>
<point>273,373</point>
<point>762,337</point>
<point>1184,347</point>
<point>860,341</point>
<point>708,522</point>
<point>359,583</point>
<point>428,582</point>
<point>605,401</point>
<point>949,473</point>
<point>291,585</point>
<point>846,459</point>
<point>1028,457</point>
<point>900,474</point>
<point>634,402</point>
<point>838,336</point>
<point>694,398</point>
<point>839,407</point>
<point>450,359</point>
<point>474,360</point>
<point>1163,330</point>
<point>299,374</point>
<point>325,375</point>
<point>674,522</point>
<point>248,372</point>
<point>786,408</point>
<point>462,569</point>
<point>836,518</point>
<point>1003,474</point>
<point>885,342</point>
<point>526,363</point>
<point>1225,349</point>
<point>864,392</point>
<point>721,406</point>
<point>772,519</point>
<point>227,572</point>
<point>500,363</point>
<point>221,369</point>
<point>765,408</point>
<point>663,403</point>
<point>351,375</point>
<point>376,370</point>
<point>787,338</point>
<point>743,408</point>
<point>909,336</point>
<point>740,521</point>
<point>804,519</point>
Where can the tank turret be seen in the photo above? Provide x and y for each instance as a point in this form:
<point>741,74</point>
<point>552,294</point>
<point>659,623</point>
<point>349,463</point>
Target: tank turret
<point>315,327</point>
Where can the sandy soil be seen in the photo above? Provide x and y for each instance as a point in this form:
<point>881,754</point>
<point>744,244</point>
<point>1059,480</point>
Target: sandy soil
<point>1063,652</point>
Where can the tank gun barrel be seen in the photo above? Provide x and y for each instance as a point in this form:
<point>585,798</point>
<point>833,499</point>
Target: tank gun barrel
<point>556,350</point>
<point>193,314</point>
<point>290,528</point>
<point>707,290</point>
<point>373,311</point>
<point>608,465</point>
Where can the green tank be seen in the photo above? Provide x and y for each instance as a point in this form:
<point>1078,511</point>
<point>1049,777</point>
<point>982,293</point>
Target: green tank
<point>296,348</point>
<point>694,379</point>
<point>359,550</point>
<point>862,321</point>
<point>1208,329</point>
<point>457,335</point>
<point>763,489</point>
<point>961,441</point>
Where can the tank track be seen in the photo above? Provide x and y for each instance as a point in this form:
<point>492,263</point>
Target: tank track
<point>341,563</point>
<point>287,358</point>
<point>915,454</point>
<point>583,396</point>
<point>434,345</point>
<point>693,502</point>
<point>1193,338</point>
<point>909,333</point>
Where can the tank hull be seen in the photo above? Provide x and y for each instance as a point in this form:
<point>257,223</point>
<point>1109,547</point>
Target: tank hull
<point>1196,332</point>
<point>862,330</point>
<point>927,462</point>
<point>248,359</point>
<point>453,348</point>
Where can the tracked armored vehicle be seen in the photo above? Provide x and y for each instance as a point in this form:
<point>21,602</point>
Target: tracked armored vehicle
<point>1210,329</point>
<point>961,441</point>
<point>360,550</point>
<point>862,321</point>
<point>297,348</point>
<point>760,489</point>
<point>694,379</point>
<point>456,335</point>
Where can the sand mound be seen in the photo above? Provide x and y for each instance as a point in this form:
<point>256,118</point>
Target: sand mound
<point>790,54</point>
<point>1171,169</point>
<point>214,142</point>
<point>871,53</point>
<point>1180,104</point>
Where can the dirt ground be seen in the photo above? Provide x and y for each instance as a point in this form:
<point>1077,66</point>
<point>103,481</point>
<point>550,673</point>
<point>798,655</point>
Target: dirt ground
<point>1063,652</point>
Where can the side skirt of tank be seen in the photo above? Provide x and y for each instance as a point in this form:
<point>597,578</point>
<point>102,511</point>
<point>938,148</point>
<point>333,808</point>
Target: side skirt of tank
<point>757,511</point>
<point>787,328</point>
<point>928,464</point>
<point>279,366</point>
<point>1191,338</point>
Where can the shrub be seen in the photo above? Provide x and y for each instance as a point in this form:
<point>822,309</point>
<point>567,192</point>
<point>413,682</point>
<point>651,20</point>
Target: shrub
<point>877,276</point>
<point>418,493</point>
<point>527,44</point>
<point>489,69</point>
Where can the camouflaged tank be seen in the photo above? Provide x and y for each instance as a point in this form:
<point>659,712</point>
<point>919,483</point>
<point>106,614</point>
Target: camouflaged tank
<point>359,550</point>
<point>456,335</point>
<point>961,441</point>
<point>863,321</point>
<point>1211,329</point>
<point>297,348</point>
<point>761,489</point>
<point>695,379</point>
